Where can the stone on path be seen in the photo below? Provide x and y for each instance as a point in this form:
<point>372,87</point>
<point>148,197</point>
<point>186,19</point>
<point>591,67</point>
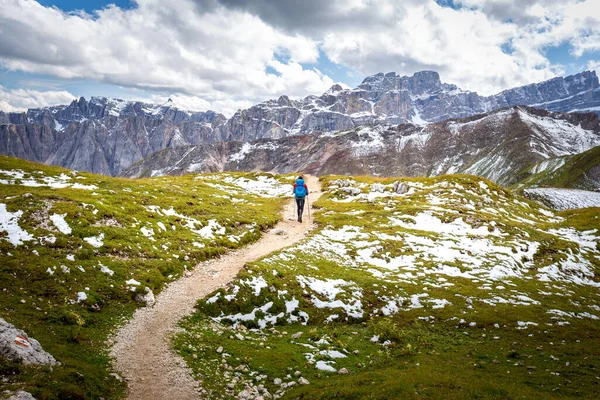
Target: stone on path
<point>147,298</point>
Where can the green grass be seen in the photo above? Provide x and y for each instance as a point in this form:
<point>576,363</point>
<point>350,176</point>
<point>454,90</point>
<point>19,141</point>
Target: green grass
<point>570,174</point>
<point>441,335</point>
<point>45,304</point>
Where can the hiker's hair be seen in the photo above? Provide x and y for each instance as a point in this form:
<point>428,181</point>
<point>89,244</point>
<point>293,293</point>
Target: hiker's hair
<point>300,177</point>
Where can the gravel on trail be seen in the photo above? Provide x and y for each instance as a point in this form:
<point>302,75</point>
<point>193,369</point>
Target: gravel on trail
<point>141,351</point>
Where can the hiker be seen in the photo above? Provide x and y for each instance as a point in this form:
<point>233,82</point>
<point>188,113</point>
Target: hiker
<point>300,193</point>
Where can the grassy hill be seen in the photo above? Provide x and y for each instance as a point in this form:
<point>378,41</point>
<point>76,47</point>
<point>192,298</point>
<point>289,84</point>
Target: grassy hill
<point>77,249</point>
<point>580,171</point>
<point>448,287</point>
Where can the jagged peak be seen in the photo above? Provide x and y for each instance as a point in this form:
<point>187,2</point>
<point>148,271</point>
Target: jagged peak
<point>428,74</point>
<point>335,89</point>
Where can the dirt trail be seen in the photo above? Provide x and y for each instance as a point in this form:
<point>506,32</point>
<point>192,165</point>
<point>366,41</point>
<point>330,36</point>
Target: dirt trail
<point>141,351</point>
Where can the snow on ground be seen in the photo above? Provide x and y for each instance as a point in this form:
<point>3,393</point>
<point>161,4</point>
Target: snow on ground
<point>262,185</point>
<point>39,180</point>
<point>59,222</point>
<point>211,230</point>
<point>208,230</point>
<point>106,270</point>
<point>9,223</point>
<point>484,244</point>
<point>81,296</point>
<point>96,241</point>
<point>565,199</point>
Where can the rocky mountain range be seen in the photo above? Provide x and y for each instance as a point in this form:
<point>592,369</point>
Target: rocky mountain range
<point>108,135</point>
<point>506,146</point>
<point>102,135</point>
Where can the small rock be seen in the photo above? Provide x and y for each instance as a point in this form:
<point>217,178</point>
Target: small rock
<point>303,381</point>
<point>117,377</point>
<point>378,187</point>
<point>277,381</point>
<point>21,395</point>
<point>278,231</point>
<point>147,298</point>
<point>297,335</point>
<point>230,386</point>
<point>297,373</point>
<point>23,301</point>
<point>220,349</point>
<point>495,362</point>
<point>356,351</point>
<point>400,187</point>
<point>343,371</point>
<point>531,367</point>
<point>239,336</point>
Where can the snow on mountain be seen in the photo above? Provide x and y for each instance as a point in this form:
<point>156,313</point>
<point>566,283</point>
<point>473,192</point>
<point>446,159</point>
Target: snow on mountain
<point>505,146</point>
<point>564,199</point>
<point>108,135</point>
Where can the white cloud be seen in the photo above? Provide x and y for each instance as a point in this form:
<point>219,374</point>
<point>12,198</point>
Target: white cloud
<point>219,55</point>
<point>216,53</point>
<point>14,100</point>
<point>487,46</point>
<point>465,46</point>
<point>594,65</point>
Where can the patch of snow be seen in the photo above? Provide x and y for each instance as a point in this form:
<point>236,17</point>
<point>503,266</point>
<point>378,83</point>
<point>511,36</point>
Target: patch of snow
<point>96,241</point>
<point>9,223</point>
<point>325,366</point>
<point>59,222</point>
<point>565,199</point>
<point>106,270</point>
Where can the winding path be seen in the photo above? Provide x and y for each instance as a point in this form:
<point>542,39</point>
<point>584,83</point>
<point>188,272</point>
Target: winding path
<point>142,353</point>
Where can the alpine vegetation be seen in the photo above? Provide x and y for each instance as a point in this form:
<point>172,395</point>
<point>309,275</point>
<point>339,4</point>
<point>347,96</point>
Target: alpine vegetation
<point>451,287</point>
<point>80,252</point>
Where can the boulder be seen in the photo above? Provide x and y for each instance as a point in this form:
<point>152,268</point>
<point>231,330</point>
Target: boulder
<point>21,395</point>
<point>378,187</point>
<point>16,346</point>
<point>147,298</point>
<point>400,187</point>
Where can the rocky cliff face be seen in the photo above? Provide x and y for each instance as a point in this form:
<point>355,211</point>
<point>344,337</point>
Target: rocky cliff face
<point>108,135</point>
<point>102,135</point>
<point>502,146</point>
<point>391,99</point>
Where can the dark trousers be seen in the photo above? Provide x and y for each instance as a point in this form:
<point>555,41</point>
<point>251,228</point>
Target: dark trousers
<point>300,204</point>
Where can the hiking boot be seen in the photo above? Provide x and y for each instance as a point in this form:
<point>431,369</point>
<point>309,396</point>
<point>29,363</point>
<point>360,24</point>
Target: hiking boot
<point>299,219</point>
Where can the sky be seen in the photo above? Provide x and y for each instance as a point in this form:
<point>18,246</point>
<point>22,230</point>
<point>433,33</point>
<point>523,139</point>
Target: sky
<point>225,55</point>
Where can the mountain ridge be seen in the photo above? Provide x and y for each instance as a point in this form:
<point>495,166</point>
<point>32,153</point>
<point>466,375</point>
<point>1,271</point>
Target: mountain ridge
<point>106,136</point>
<point>502,146</point>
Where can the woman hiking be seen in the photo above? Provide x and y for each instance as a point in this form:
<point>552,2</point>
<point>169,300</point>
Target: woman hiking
<point>300,193</point>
